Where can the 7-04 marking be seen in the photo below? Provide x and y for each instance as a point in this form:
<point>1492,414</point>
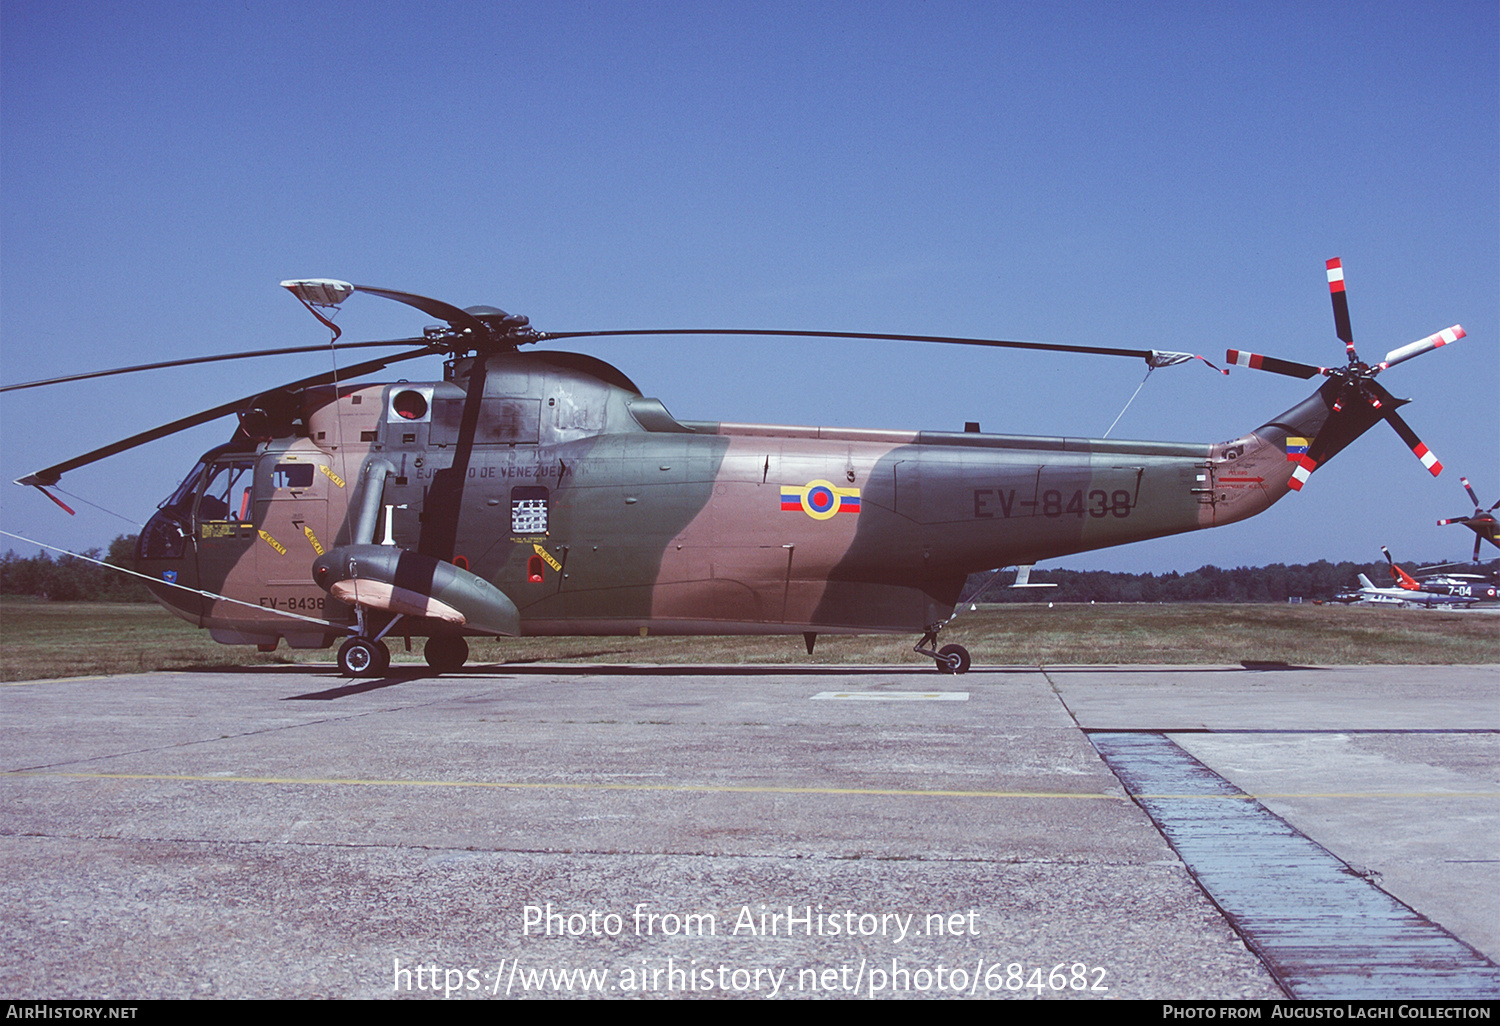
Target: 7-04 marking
<point>1098,504</point>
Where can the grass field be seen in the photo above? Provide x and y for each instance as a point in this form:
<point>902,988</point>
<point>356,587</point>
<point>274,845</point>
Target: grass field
<point>42,639</point>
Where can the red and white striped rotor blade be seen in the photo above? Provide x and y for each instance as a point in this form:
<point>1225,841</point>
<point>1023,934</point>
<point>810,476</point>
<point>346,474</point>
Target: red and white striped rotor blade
<point>1305,466</point>
<point>1340,304</point>
<point>1417,348</point>
<point>1426,455</point>
<point>1472,494</point>
<point>1255,361</point>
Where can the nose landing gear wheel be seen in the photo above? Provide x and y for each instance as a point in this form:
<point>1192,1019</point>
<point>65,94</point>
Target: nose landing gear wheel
<point>362,657</point>
<point>445,654</point>
<point>953,659</point>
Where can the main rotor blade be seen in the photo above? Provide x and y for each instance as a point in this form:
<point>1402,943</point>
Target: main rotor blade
<point>50,475</point>
<point>458,320</point>
<point>1270,363</point>
<point>190,361</point>
<point>1145,354</point>
<point>1340,304</point>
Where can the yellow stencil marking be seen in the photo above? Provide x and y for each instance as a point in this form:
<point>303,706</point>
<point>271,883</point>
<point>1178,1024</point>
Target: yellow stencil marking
<point>331,475</point>
<point>317,545</point>
<point>272,542</point>
<point>554,564</point>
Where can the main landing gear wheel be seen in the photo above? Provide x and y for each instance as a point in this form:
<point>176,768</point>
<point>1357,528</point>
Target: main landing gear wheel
<point>362,657</point>
<point>953,659</point>
<point>446,654</point>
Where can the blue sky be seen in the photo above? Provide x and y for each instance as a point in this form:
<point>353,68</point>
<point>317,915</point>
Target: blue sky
<point>1143,175</point>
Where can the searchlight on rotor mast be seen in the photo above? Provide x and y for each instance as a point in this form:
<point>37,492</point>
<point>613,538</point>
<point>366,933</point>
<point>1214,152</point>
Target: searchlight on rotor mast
<point>478,328</point>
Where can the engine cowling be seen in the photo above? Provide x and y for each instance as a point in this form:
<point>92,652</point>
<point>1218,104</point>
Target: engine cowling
<point>400,581</point>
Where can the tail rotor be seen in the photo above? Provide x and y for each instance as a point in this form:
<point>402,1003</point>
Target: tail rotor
<point>1482,522</point>
<point>1351,389</point>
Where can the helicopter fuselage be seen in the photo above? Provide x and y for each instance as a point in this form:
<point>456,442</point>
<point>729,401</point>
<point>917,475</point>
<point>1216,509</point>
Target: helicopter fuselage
<point>594,511</point>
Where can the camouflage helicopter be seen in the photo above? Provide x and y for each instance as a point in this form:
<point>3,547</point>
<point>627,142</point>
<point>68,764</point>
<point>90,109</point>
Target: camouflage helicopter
<point>541,493</point>
<point>1483,523</point>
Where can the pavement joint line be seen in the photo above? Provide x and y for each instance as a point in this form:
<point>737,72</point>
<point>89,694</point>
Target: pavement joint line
<point>1324,929</point>
<point>1424,795</point>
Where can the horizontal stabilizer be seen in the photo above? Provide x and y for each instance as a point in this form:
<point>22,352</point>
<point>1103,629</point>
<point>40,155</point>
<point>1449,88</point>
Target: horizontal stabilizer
<point>1023,578</point>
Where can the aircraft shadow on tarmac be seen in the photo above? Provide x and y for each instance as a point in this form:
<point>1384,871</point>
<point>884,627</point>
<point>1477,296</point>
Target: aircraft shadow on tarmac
<point>413,673</point>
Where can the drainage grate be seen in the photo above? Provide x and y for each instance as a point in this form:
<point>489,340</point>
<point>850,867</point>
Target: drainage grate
<point>1323,931</point>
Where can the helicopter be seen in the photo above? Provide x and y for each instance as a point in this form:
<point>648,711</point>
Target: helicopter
<point>1435,590</point>
<point>540,492</point>
<point>1482,522</point>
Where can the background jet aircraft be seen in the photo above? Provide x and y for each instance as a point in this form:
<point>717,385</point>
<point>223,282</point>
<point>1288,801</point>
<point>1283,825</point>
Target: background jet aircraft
<point>1388,596</point>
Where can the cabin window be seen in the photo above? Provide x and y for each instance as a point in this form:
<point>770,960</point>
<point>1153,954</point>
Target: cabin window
<point>292,475</point>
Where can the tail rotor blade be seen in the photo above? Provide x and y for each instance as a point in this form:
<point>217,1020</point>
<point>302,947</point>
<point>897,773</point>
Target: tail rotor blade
<point>1426,455</point>
<point>1340,305</point>
<point>1417,348</point>
<point>1470,489</point>
<point>1308,463</point>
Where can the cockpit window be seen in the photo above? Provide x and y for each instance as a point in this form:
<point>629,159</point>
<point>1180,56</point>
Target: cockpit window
<point>228,492</point>
<point>183,496</point>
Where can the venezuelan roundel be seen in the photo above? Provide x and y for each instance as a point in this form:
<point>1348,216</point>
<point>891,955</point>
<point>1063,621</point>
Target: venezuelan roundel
<point>820,499</point>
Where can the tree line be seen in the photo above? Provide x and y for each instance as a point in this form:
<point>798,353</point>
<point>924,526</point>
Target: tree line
<point>70,579</point>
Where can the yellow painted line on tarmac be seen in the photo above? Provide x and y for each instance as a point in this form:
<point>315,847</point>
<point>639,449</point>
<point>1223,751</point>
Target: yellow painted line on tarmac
<point>541,786</point>
<point>741,788</point>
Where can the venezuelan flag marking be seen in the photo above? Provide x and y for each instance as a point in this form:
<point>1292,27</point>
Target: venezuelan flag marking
<point>820,500</point>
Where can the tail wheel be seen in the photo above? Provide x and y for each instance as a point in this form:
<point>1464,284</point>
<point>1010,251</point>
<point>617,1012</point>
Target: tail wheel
<point>953,659</point>
<point>362,657</point>
<point>446,654</point>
